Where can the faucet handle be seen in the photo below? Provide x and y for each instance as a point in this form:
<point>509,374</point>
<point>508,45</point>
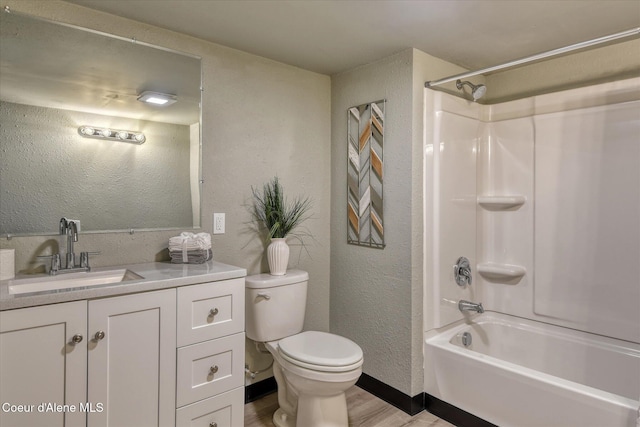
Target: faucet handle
<point>55,262</point>
<point>84,259</point>
<point>462,271</point>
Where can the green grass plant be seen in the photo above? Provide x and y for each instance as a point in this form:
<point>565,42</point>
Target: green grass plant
<point>277,214</point>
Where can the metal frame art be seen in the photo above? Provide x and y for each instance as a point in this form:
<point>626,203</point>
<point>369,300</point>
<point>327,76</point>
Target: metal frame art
<point>365,213</point>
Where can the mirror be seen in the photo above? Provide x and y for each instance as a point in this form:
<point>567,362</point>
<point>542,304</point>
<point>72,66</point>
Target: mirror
<point>55,78</point>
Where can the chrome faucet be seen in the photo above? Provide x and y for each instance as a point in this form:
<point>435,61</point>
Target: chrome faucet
<point>462,271</point>
<point>470,306</point>
<point>69,228</point>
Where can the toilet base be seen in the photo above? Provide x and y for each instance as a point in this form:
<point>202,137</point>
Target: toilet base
<point>322,411</point>
<point>316,411</point>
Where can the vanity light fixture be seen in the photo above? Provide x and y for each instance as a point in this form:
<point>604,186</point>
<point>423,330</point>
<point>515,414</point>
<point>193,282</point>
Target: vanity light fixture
<point>157,98</point>
<point>112,134</point>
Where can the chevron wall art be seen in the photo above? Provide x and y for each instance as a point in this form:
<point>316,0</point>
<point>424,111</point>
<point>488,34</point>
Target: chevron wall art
<point>365,169</point>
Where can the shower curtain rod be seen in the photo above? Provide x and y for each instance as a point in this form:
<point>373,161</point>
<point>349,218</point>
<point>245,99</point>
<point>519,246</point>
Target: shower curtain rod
<point>543,55</point>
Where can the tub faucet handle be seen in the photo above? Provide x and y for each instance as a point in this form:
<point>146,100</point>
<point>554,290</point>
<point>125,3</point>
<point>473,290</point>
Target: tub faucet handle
<point>462,271</point>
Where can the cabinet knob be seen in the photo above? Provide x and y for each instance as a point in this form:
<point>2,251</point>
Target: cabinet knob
<point>76,339</point>
<point>213,424</point>
<point>213,312</point>
<point>99,335</point>
<point>213,369</point>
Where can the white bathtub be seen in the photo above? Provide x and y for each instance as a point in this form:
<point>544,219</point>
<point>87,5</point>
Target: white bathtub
<point>523,373</point>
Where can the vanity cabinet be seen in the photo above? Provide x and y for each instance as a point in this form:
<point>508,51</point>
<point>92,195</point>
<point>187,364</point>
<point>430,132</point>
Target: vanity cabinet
<point>210,365</point>
<point>172,357</point>
<point>43,359</point>
<point>132,359</point>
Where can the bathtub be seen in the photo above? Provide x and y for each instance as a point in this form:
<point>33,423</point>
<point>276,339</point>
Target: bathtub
<point>517,372</point>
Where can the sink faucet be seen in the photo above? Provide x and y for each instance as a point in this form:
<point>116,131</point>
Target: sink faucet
<point>69,228</point>
<point>470,306</point>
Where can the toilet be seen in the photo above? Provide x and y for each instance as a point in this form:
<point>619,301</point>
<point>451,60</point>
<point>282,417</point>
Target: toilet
<point>312,369</point>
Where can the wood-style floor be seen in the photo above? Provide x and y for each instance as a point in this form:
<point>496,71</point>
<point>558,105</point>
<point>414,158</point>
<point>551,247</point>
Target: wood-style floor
<point>365,410</point>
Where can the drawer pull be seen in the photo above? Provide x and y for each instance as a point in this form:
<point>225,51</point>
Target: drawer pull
<point>213,369</point>
<point>213,312</point>
<point>213,424</point>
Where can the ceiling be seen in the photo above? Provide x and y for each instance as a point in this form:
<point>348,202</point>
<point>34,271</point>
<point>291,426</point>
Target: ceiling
<point>330,36</point>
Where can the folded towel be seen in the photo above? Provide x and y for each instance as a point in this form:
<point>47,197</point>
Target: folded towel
<point>192,257</point>
<point>190,248</point>
<point>190,241</point>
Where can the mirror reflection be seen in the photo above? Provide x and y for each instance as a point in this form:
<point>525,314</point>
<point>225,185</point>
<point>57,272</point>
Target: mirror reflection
<point>55,79</point>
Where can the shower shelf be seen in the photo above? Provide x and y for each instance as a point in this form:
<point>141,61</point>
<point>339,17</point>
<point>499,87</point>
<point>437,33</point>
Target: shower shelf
<point>496,271</point>
<point>501,202</point>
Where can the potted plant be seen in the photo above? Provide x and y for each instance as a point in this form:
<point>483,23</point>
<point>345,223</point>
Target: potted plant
<point>279,217</point>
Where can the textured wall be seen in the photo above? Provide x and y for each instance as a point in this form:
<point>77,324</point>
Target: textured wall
<point>260,118</point>
<point>47,171</point>
<point>376,295</point>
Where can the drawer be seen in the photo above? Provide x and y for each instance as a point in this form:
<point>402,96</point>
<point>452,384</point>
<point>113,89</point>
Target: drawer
<point>209,368</point>
<point>224,410</point>
<point>209,311</point>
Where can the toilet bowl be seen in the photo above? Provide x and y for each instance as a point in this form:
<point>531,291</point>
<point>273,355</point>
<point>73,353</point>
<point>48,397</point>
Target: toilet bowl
<point>312,369</point>
<point>315,370</point>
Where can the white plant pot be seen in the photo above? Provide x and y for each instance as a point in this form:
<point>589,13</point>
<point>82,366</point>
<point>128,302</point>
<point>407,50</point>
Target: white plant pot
<point>278,257</point>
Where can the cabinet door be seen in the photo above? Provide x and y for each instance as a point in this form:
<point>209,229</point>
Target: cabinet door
<point>132,359</point>
<point>41,364</point>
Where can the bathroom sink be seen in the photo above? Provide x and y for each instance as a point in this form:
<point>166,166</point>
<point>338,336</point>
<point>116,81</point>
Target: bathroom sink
<point>71,281</point>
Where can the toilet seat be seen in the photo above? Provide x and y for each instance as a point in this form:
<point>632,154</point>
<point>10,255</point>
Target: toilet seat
<point>321,351</point>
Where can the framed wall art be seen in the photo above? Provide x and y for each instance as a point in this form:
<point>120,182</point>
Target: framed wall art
<point>365,174</point>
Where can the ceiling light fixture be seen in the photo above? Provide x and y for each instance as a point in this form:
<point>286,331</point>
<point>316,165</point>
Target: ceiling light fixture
<point>157,98</point>
<point>112,134</point>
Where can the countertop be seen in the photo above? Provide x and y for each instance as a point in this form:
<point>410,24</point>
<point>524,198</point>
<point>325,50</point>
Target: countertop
<point>156,276</point>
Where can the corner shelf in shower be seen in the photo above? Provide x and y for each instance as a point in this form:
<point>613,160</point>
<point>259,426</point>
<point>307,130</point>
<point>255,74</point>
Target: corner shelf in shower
<point>501,202</point>
<point>500,272</point>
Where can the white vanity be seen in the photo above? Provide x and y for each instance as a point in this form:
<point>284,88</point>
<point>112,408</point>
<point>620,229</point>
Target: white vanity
<point>164,350</point>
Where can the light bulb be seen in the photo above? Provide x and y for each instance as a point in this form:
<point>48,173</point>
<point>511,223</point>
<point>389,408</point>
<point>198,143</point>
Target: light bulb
<point>123,134</point>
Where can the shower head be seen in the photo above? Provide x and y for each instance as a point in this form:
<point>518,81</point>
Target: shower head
<point>476,91</point>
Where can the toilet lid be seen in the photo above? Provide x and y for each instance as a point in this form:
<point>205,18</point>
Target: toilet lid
<point>321,349</point>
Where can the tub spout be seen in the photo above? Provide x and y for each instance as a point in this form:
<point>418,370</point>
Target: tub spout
<point>470,306</point>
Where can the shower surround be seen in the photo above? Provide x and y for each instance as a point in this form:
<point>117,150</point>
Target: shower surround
<point>543,196</point>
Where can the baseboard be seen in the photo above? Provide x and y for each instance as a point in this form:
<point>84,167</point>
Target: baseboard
<point>420,402</point>
<point>408,404</point>
<point>411,405</point>
<point>452,414</point>
<point>260,389</point>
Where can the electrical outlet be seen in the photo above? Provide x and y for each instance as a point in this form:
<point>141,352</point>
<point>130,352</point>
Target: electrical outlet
<point>218,223</point>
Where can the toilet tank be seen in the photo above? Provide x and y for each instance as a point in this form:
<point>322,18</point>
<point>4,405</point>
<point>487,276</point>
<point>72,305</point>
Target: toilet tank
<point>275,305</point>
